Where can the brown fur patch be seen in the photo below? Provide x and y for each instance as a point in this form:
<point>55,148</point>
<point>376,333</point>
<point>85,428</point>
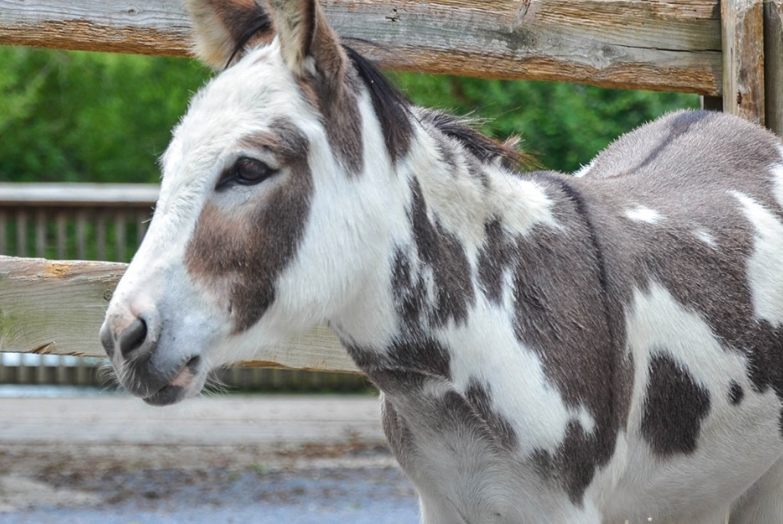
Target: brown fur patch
<point>674,407</point>
<point>564,314</point>
<point>480,398</point>
<point>445,256</point>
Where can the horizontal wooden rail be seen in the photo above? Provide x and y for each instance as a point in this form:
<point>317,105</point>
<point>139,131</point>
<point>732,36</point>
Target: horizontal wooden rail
<point>78,195</point>
<point>57,307</point>
<point>75,221</point>
<point>630,44</point>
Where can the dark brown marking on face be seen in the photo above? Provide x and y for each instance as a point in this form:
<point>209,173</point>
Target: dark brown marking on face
<point>480,398</point>
<point>245,254</point>
<point>674,408</point>
<point>736,393</point>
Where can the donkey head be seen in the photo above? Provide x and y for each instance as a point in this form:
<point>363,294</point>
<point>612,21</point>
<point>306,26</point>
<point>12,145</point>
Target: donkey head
<point>272,186</point>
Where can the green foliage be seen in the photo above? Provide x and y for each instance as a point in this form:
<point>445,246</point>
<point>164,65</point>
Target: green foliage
<point>69,116</point>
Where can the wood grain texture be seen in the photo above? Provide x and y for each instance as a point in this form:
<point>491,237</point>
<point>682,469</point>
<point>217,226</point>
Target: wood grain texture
<point>57,307</point>
<point>773,64</point>
<point>743,59</point>
<point>634,44</point>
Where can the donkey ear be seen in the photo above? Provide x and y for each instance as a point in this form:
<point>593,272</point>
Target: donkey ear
<point>304,33</point>
<point>226,29</point>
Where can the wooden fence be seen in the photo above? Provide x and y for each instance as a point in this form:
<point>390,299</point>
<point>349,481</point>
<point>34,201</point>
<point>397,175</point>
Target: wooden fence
<point>74,221</point>
<point>728,51</point>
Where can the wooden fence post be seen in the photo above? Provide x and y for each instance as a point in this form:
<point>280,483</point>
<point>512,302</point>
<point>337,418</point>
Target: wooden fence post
<point>773,60</point>
<point>742,24</point>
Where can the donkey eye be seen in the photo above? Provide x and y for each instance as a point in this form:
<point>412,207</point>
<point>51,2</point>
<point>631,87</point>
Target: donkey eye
<point>245,172</point>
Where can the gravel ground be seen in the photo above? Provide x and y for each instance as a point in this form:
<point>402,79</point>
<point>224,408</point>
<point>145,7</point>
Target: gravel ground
<point>167,484</point>
<point>55,474</point>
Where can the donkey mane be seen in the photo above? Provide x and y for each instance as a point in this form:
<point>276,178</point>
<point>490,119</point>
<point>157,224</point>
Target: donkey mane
<point>394,112</point>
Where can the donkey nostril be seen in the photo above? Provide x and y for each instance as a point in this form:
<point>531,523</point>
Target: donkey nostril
<point>133,337</point>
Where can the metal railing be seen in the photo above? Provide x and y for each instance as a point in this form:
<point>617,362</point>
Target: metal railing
<point>106,222</point>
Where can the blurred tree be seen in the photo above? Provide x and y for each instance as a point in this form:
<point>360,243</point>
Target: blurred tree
<point>67,116</point>
<point>70,116</point>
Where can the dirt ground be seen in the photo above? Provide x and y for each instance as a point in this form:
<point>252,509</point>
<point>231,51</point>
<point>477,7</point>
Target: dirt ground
<point>61,475</point>
<point>69,453</point>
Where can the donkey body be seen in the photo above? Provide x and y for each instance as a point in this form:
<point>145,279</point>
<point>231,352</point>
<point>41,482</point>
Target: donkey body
<point>551,349</point>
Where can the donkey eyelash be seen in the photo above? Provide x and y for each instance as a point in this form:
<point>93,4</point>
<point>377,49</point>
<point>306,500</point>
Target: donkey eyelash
<point>246,171</point>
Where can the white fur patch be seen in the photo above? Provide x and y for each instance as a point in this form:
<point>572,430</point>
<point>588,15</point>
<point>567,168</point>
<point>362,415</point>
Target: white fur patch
<point>523,204</point>
<point>657,322</point>
<point>706,237</point>
<point>485,349</point>
<point>643,214</point>
<point>777,180</point>
<point>765,265</point>
<point>584,170</point>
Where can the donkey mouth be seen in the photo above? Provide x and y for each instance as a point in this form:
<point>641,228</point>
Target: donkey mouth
<point>166,396</point>
<point>177,388</point>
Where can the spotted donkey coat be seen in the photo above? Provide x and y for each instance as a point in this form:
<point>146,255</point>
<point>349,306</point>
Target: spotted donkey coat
<point>551,349</point>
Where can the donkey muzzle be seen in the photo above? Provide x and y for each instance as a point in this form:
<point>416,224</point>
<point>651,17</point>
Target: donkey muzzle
<point>131,341</point>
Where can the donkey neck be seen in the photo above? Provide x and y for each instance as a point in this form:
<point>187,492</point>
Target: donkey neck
<point>445,261</point>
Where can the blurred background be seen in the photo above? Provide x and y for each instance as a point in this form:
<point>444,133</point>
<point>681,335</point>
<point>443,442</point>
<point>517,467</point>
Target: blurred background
<point>277,445</point>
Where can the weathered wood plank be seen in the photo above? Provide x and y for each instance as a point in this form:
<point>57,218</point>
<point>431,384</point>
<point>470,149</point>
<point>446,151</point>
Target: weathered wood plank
<point>55,307</point>
<point>76,195</point>
<point>743,58</point>
<point>773,64</point>
<point>635,44</point>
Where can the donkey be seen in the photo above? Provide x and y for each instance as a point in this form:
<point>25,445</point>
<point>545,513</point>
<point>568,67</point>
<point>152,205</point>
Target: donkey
<point>606,348</point>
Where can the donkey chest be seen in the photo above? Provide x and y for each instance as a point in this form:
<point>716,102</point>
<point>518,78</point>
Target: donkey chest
<point>463,464</point>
